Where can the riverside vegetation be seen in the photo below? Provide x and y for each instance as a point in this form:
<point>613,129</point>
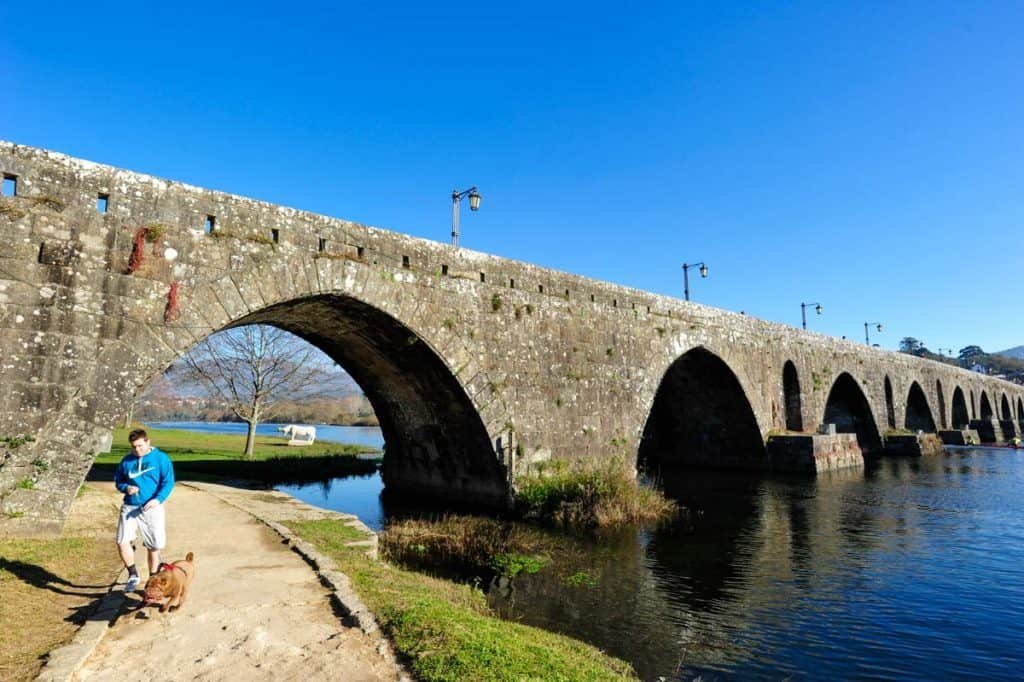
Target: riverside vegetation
<point>597,497</point>
<point>445,631</point>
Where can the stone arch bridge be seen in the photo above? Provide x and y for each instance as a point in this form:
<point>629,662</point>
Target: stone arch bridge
<point>477,366</point>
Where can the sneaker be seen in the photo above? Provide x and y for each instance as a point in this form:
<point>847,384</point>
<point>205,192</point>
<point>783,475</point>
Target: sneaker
<point>132,584</point>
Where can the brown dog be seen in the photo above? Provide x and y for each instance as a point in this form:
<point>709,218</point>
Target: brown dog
<point>171,582</point>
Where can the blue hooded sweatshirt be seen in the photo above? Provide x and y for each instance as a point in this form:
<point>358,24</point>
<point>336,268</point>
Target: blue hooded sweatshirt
<point>152,473</point>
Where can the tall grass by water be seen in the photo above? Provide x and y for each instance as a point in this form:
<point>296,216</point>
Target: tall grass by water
<point>595,495</point>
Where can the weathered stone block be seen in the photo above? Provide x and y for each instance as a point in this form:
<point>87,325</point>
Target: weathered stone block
<point>813,453</point>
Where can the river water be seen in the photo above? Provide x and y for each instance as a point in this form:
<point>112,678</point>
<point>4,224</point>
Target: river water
<point>910,569</point>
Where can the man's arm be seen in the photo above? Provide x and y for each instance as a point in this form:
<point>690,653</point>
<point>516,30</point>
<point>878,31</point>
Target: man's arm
<point>166,480</point>
<point>120,480</point>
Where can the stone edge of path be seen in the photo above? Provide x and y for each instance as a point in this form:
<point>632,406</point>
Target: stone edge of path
<point>62,662</point>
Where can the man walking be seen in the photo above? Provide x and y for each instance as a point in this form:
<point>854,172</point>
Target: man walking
<point>146,477</point>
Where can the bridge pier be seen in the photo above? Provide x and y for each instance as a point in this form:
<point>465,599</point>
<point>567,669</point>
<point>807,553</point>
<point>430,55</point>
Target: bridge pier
<point>960,437</point>
<point>913,445</point>
<point>989,430</point>
<point>814,453</point>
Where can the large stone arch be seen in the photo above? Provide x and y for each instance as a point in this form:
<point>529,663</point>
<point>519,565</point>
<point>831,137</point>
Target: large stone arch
<point>848,408</point>
<point>437,444</point>
<point>890,408</point>
<point>701,415</point>
<point>986,407</point>
<point>919,415</point>
<point>791,397</point>
<point>1004,408</point>
<point>961,418</point>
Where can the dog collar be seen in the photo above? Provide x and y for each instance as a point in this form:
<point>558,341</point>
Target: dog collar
<point>165,567</point>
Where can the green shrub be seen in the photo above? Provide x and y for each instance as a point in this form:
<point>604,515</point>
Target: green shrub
<point>590,495</point>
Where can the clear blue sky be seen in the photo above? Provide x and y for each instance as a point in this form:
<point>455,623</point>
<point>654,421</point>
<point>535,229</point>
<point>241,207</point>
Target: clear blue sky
<point>865,155</point>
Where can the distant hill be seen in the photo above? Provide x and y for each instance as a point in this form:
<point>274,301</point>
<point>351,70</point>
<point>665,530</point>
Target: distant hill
<point>1016,352</point>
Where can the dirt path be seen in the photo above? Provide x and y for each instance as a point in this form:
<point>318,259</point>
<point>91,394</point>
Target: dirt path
<point>256,610</point>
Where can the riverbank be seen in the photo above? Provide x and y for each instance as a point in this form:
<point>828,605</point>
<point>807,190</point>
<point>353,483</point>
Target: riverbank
<point>443,629</point>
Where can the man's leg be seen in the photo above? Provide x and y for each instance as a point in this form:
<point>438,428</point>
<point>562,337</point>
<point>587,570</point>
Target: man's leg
<point>127,553</point>
<point>154,535</point>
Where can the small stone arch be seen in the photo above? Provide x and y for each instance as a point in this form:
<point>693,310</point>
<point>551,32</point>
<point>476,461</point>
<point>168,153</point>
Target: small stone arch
<point>701,416</point>
<point>942,402</point>
<point>1006,416</point>
<point>849,410</point>
<point>919,415</point>
<point>890,408</point>
<point>960,416</point>
<point>986,407</point>
<point>1020,411</point>
<point>974,408</point>
<point>791,393</point>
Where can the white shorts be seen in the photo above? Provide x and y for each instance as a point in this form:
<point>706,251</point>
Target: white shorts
<point>151,523</point>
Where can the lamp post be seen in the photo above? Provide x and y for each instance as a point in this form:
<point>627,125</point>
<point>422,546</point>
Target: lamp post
<point>867,337</point>
<point>803,311</point>
<point>474,204</point>
<point>686,276</point>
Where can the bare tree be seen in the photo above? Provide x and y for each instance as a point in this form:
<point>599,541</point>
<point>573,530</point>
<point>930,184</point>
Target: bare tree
<point>252,368</point>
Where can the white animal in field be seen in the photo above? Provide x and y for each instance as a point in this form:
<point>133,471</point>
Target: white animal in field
<point>299,435</point>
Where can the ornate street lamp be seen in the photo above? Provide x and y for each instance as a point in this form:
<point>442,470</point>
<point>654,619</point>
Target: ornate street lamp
<point>867,337</point>
<point>803,311</point>
<point>686,276</point>
<point>474,205</point>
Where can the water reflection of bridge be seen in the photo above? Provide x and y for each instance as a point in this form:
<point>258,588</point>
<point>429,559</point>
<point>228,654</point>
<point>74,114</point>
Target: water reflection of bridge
<point>765,563</point>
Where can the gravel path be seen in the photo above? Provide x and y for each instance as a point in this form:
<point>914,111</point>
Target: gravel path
<point>256,610</point>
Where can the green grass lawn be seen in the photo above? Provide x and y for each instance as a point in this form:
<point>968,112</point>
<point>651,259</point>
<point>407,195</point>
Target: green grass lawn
<point>209,456</point>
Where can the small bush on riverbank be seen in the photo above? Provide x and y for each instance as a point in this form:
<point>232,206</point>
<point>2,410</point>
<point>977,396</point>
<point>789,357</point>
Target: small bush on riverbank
<point>597,495</point>
<point>445,631</point>
<point>467,546</point>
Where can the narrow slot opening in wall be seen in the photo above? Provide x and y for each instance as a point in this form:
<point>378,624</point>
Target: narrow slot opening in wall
<point>511,284</point>
<point>42,247</point>
<point>615,303</point>
<point>648,309</point>
<point>591,298</point>
<point>102,202</point>
<point>275,235</point>
<point>405,261</point>
<point>210,225</point>
<point>360,251</point>
<point>540,288</point>
<point>10,186</point>
<point>567,293</point>
<point>483,277</point>
<point>444,269</point>
<point>321,244</point>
